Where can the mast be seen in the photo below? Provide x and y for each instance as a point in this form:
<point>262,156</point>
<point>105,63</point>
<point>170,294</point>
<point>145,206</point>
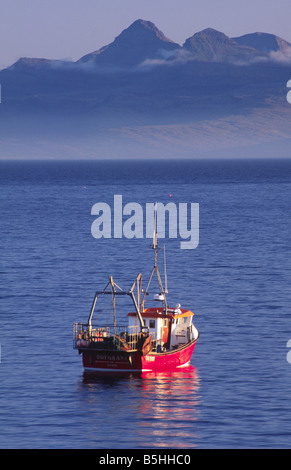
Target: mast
<point>113,290</point>
<point>155,267</point>
<point>155,235</point>
<point>165,271</point>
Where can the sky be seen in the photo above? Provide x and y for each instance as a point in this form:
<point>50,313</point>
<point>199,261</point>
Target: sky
<point>69,29</point>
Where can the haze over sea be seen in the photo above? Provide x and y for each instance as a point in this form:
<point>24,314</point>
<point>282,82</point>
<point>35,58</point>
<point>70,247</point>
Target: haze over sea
<point>236,393</point>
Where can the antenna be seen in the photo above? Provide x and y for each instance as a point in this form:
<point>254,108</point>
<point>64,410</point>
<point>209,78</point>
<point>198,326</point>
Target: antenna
<point>155,235</point>
<point>165,270</point>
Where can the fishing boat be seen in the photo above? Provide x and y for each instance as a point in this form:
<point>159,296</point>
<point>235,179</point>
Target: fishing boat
<point>157,338</point>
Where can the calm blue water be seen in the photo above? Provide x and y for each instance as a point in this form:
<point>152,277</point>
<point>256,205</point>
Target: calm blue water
<point>236,392</point>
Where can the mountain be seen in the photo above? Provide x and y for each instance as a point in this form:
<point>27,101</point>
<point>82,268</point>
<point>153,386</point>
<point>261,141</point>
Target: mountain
<point>142,40</point>
<point>212,93</point>
<point>263,42</point>
<point>212,45</point>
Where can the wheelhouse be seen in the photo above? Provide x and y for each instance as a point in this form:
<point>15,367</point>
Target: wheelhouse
<point>170,328</point>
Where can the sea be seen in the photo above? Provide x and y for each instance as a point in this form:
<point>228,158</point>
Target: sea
<point>237,281</point>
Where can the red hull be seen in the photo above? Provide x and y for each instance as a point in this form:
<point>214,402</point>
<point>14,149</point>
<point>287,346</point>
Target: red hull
<point>135,361</point>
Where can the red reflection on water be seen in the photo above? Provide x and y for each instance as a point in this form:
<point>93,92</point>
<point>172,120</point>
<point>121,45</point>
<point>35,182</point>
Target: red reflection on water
<point>166,405</point>
<point>170,408</point>
<point>187,371</point>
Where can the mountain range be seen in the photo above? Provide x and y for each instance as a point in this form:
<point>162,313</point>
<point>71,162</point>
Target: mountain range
<point>144,94</point>
<point>142,42</point>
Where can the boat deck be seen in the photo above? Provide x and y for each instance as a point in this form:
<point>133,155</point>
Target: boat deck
<point>109,338</point>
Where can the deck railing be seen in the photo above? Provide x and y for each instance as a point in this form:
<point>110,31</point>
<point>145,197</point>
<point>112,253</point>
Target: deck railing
<point>106,338</point>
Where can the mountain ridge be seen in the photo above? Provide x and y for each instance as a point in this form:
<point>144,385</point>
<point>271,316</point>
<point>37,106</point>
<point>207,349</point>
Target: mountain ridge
<point>142,41</point>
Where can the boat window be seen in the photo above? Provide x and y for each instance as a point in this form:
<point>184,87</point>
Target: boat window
<point>152,323</point>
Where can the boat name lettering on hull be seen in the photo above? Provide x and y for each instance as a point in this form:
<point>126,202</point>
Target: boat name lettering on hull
<point>108,357</point>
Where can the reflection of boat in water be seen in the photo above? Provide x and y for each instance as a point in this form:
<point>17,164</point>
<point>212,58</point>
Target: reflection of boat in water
<point>186,374</point>
<point>156,339</point>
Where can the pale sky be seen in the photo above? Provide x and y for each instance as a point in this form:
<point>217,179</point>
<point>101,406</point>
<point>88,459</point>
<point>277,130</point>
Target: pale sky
<point>68,29</point>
